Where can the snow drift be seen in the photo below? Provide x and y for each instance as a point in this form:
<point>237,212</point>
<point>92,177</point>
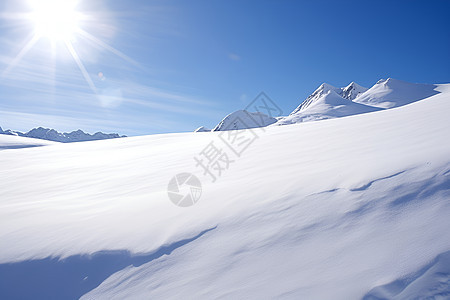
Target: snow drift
<point>16,142</point>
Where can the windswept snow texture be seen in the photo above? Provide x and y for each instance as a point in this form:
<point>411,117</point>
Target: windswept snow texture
<point>337,209</point>
<point>66,137</point>
<point>16,142</point>
<point>435,277</point>
<point>243,119</point>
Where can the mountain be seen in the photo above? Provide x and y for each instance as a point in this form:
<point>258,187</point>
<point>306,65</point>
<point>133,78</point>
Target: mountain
<point>10,132</point>
<point>202,129</point>
<point>349,208</point>
<point>328,102</point>
<point>243,119</point>
<point>352,91</point>
<point>389,93</point>
<point>53,135</point>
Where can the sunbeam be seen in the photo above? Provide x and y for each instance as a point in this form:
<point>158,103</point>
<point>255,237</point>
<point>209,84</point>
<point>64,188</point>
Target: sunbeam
<point>81,66</point>
<point>105,46</point>
<point>32,41</point>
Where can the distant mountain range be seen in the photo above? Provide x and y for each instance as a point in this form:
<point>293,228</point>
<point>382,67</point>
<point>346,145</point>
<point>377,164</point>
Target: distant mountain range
<point>66,137</point>
<point>328,102</point>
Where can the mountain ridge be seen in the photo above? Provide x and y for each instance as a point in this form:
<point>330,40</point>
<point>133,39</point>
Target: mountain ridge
<point>66,137</point>
<point>328,101</point>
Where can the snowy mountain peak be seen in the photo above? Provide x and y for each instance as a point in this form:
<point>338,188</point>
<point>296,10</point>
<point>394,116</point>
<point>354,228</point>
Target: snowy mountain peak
<point>352,91</point>
<point>328,105</point>
<point>328,102</point>
<point>243,119</point>
<point>202,129</point>
<point>389,81</point>
<point>323,89</point>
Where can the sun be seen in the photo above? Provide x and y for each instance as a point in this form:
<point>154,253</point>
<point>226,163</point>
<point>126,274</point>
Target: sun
<point>61,22</point>
<point>56,20</point>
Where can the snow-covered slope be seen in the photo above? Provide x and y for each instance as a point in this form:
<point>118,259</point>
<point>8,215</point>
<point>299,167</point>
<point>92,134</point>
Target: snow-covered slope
<point>326,103</point>
<point>336,209</point>
<point>393,92</point>
<point>430,282</point>
<point>243,119</point>
<point>66,137</point>
<point>15,142</point>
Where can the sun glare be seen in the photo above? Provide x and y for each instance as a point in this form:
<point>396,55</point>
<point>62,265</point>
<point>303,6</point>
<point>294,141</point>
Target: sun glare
<point>56,20</point>
<point>59,21</point>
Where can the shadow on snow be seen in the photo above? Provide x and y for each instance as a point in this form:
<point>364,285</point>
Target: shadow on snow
<point>74,276</point>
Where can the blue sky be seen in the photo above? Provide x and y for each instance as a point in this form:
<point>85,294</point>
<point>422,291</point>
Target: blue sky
<point>172,66</point>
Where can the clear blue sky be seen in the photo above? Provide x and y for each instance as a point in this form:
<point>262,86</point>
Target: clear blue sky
<point>171,66</point>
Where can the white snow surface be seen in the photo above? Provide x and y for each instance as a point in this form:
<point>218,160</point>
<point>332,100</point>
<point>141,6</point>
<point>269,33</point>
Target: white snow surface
<point>393,93</point>
<point>16,142</point>
<point>335,209</point>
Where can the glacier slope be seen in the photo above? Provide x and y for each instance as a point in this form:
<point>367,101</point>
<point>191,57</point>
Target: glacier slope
<point>320,210</point>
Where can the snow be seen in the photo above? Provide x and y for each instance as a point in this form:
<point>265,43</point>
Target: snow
<point>391,93</point>
<point>328,102</point>
<point>334,209</point>
<point>325,103</point>
<point>434,277</point>
<point>243,119</point>
<point>202,129</point>
<point>352,91</point>
<point>322,90</point>
<point>16,142</point>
